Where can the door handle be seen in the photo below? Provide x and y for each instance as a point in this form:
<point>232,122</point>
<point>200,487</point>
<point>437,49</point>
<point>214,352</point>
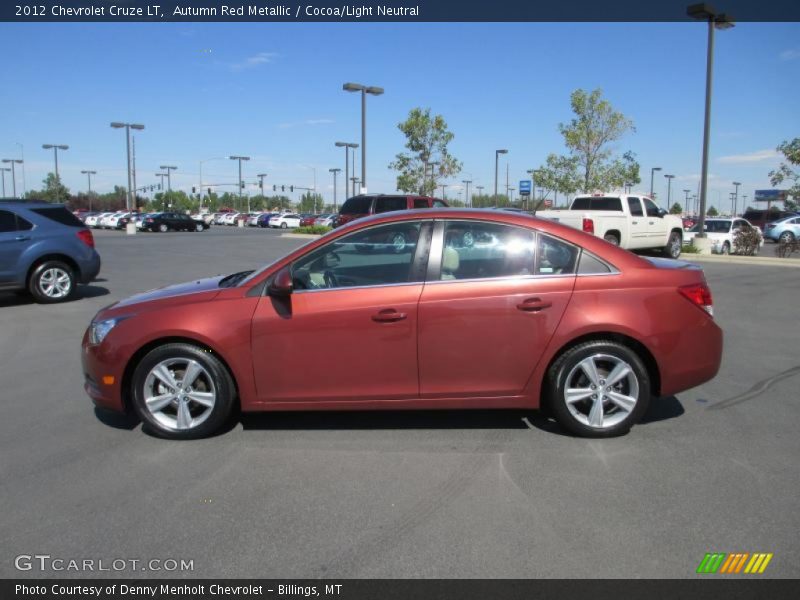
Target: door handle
<point>22,238</point>
<point>651,222</point>
<point>533,305</point>
<point>635,222</point>
<point>389,315</point>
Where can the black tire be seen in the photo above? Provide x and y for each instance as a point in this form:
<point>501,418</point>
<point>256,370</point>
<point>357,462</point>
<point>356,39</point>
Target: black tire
<point>566,367</point>
<point>222,383</point>
<point>284,225</point>
<point>198,227</point>
<point>726,248</point>
<point>39,283</point>
<point>163,228</point>
<point>786,237</point>
<point>674,245</point>
<point>611,239</point>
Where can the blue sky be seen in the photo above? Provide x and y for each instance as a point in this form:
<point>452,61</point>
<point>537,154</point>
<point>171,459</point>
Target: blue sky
<point>273,91</point>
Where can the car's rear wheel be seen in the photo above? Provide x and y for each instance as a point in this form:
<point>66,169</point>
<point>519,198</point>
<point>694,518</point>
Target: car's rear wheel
<point>52,281</point>
<point>787,237</point>
<point>181,391</point>
<point>163,228</point>
<point>611,239</point>
<point>598,389</point>
<point>674,245</point>
<point>726,248</point>
<point>284,225</point>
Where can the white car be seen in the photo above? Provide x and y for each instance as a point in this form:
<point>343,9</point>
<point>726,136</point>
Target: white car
<point>721,233</point>
<point>324,220</point>
<point>230,218</point>
<point>252,219</point>
<point>92,220</point>
<point>105,219</point>
<point>113,220</point>
<point>285,221</point>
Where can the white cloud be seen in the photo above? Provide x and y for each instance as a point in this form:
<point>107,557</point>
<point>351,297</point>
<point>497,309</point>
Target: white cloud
<point>750,157</point>
<point>791,54</point>
<point>251,62</point>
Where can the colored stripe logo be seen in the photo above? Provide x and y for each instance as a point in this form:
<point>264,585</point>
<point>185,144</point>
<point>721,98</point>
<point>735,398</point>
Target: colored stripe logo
<point>734,563</point>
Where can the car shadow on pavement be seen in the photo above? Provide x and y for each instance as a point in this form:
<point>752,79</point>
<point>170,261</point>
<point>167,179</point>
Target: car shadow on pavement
<point>20,298</point>
<point>115,419</point>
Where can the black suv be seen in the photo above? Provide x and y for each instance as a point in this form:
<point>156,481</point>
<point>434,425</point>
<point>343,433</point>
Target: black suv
<point>168,221</point>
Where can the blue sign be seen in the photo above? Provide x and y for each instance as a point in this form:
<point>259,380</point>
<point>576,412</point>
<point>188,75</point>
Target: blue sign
<point>525,187</point>
<point>770,195</point>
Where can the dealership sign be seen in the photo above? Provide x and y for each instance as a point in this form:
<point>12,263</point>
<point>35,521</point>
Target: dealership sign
<point>771,195</point>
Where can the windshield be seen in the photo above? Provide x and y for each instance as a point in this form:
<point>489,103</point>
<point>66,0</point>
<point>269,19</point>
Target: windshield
<point>713,227</point>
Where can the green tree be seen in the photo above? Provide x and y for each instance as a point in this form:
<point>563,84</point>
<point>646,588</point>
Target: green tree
<point>712,212</point>
<point>676,209</point>
<point>785,172</point>
<point>311,203</point>
<point>52,191</point>
<point>427,138</point>
<point>590,164</point>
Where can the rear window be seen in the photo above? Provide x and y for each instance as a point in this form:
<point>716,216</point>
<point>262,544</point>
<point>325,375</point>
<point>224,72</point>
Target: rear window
<point>597,203</point>
<point>59,214</point>
<point>356,206</point>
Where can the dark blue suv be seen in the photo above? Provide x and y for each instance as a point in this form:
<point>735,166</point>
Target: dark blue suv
<point>44,249</point>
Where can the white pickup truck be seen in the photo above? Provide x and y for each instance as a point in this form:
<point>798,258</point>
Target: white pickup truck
<point>631,222</point>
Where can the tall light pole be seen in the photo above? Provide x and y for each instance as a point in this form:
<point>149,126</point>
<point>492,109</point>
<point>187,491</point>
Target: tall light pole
<point>3,175</point>
<point>12,162</point>
<point>736,199</point>
<point>163,197</point>
<point>261,182</point>
<point>240,159</point>
<point>704,12</point>
<point>205,160</point>
<point>480,189</point>
<point>169,169</point>
<point>346,146</point>
<point>335,171</point>
<point>56,148</point>
<point>686,201</point>
<point>89,177</point>
<point>433,166</point>
<point>355,181</point>
<point>669,189</point>
<point>128,127</point>
<point>466,183</point>
<point>375,91</point>
<point>511,196</point>
<point>22,156</point>
<point>443,185</point>
<point>497,154</point>
<point>652,172</point>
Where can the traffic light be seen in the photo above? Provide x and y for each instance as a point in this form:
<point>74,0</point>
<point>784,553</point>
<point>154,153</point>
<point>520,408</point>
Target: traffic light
<point>283,188</point>
<point>194,190</point>
<point>274,188</point>
<point>291,188</point>
<point>209,191</point>
<point>241,185</point>
<point>159,186</point>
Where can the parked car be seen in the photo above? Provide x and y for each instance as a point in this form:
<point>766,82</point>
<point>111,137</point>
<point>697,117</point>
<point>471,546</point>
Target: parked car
<point>284,221</point>
<point>688,222</point>
<point>113,222</point>
<point>307,220</point>
<point>721,232</point>
<point>633,222</point>
<point>785,230</point>
<point>168,221</point>
<point>325,220</point>
<point>230,218</point>
<point>105,222</point>
<point>263,220</point>
<point>44,249</point>
<point>549,315</point>
<point>219,218</point>
<point>252,219</point>
<point>93,220</point>
<point>362,206</point>
<point>140,219</point>
<point>760,217</point>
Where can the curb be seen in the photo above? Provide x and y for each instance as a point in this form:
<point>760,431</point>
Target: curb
<point>742,260</point>
<point>301,236</point>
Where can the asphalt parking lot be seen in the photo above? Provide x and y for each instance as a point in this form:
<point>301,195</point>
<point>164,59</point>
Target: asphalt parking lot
<point>445,494</point>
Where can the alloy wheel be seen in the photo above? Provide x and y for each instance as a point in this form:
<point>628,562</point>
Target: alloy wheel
<point>55,283</point>
<point>601,391</point>
<point>179,393</point>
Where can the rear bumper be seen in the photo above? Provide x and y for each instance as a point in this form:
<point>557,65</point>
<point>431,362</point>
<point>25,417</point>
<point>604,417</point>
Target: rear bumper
<point>90,268</point>
<point>694,360</point>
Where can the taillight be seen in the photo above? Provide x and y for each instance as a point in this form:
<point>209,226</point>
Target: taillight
<point>700,295</point>
<point>588,226</point>
<point>148,220</point>
<point>86,237</point>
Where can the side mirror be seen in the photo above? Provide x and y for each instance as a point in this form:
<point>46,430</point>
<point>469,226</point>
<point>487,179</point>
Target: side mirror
<point>661,212</point>
<point>282,283</point>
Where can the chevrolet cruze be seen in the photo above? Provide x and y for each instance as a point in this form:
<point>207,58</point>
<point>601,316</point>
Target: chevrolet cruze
<point>478,309</point>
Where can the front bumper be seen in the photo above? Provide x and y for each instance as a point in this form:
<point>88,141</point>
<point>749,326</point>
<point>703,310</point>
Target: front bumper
<point>102,372</point>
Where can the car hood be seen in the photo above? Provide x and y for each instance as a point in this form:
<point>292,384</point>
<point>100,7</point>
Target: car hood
<point>189,288</point>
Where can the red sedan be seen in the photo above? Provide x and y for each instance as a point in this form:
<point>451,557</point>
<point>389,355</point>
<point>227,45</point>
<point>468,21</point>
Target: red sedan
<point>478,309</point>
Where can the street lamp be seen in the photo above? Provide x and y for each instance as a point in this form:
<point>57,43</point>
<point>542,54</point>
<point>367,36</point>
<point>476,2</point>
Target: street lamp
<point>128,127</point>
<point>480,189</point>
<point>240,159</point>
<point>261,182</point>
<point>686,201</point>
<point>347,146</point>
<point>56,148</point>
<point>169,170</point>
<point>704,12</point>
<point>163,197</point>
<point>497,154</point>
<point>13,161</point>
<point>355,181</point>
<point>652,172</point>
<point>669,189</point>
<point>443,185</point>
<point>335,171</point>
<point>89,177</point>
<point>433,166</point>
<point>511,197</point>
<point>466,183</point>
<point>375,91</point>
<point>736,199</point>
<point>3,175</point>
<point>205,160</point>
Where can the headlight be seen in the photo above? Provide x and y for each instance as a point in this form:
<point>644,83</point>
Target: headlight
<point>98,330</point>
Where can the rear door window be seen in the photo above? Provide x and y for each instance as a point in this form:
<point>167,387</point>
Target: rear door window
<point>420,203</point>
<point>477,250</point>
<point>390,204</point>
<point>635,206</point>
<point>439,204</point>
<point>59,214</point>
<point>8,221</point>
<point>356,206</point>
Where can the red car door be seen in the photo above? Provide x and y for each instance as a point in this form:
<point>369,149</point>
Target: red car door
<point>348,332</point>
<point>489,308</point>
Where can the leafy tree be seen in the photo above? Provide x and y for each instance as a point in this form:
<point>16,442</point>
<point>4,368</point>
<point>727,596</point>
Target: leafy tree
<point>785,172</point>
<point>712,212</point>
<point>427,138</point>
<point>588,137</point>
<point>676,209</point>
<point>311,203</point>
<point>53,190</point>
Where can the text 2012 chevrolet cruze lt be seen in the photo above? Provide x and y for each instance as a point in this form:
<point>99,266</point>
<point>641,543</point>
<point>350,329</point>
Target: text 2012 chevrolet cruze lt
<point>474,309</point>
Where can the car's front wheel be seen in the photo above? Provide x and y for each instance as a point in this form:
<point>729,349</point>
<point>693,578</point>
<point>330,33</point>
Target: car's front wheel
<point>598,389</point>
<point>198,227</point>
<point>52,281</point>
<point>787,237</point>
<point>181,391</point>
<point>163,228</point>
